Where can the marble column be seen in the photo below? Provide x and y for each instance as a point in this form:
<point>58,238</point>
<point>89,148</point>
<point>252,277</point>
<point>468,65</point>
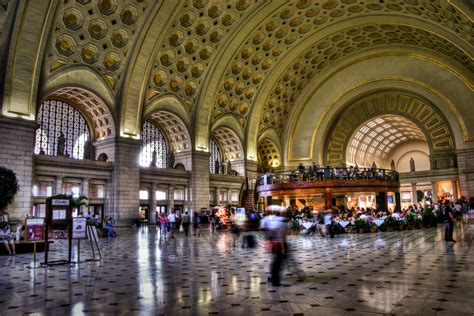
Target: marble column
<point>125,184</point>
<point>58,184</point>
<point>170,198</point>
<point>229,196</point>
<point>414,198</point>
<point>328,201</point>
<point>200,181</point>
<point>152,211</point>
<point>455,190</point>
<point>85,187</point>
<point>216,196</point>
<point>434,195</point>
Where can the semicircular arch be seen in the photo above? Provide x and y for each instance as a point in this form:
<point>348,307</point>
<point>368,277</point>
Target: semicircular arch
<point>424,114</point>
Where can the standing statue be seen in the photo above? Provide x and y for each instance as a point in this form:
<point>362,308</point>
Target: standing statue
<point>221,168</point>
<point>452,162</point>
<point>216,166</point>
<point>61,145</point>
<point>153,158</point>
<point>88,150</point>
<point>229,167</point>
<point>171,160</point>
<point>412,164</point>
<point>374,166</point>
<point>392,165</point>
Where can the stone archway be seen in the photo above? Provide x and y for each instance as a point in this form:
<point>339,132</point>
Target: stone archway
<point>428,118</point>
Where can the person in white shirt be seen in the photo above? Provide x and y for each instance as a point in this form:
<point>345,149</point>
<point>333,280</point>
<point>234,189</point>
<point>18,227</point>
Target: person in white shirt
<point>172,223</point>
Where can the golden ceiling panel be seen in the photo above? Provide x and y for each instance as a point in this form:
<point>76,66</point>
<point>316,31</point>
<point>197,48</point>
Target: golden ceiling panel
<point>339,45</point>
<point>96,33</point>
<point>175,129</point>
<point>196,35</point>
<point>298,20</point>
<point>268,153</point>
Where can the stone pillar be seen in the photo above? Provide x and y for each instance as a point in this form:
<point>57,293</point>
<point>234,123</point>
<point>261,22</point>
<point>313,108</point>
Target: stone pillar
<point>455,190</point>
<point>229,197</point>
<point>434,195</point>
<point>216,196</point>
<point>170,198</point>
<point>466,172</point>
<point>17,142</point>
<point>152,199</point>
<point>85,187</point>
<point>200,181</point>
<point>58,186</point>
<point>327,201</point>
<point>413,194</point>
<point>381,200</point>
<point>125,184</point>
<point>398,202</point>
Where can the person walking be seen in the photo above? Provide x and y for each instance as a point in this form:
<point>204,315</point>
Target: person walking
<point>163,224</point>
<point>196,224</point>
<point>186,222</point>
<point>448,213</point>
<point>172,223</point>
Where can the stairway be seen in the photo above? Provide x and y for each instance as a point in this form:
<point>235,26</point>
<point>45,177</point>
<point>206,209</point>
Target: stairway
<point>248,200</point>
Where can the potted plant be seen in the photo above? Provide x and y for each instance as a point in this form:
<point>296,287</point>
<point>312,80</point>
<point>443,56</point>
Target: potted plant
<point>373,228</point>
<point>390,223</point>
<point>411,220</point>
<point>78,202</point>
<point>429,218</point>
<point>8,187</point>
<point>360,225</point>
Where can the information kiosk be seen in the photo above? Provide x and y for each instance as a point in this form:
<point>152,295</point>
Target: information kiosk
<point>58,217</point>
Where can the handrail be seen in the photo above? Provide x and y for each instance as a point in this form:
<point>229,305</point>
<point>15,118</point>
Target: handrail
<point>316,173</point>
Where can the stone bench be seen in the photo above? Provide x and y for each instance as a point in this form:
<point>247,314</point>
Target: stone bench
<point>23,246</point>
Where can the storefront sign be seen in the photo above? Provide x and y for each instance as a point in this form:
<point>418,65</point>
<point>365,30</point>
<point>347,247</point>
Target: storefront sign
<point>60,202</point>
<point>79,225</point>
<point>35,229</point>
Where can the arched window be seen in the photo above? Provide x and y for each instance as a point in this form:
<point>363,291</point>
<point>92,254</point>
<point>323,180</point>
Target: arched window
<point>153,141</point>
<point>56,117</point>
<point>215,157</point>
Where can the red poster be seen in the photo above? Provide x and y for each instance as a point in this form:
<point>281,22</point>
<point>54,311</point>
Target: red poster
<point>35,229</point>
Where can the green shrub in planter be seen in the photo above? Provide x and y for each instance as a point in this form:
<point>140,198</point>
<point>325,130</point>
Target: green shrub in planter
<point>8,187</point>
<point>429,218</point>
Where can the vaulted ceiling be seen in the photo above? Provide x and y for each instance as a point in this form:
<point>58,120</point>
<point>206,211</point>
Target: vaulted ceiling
<point>259,62</point>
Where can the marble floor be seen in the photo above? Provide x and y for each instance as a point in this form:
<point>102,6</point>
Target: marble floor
<point>397,273</point>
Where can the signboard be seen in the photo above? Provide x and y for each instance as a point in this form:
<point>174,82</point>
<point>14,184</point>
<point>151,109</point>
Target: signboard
<point>60,202</point>
<point>79,226</point>
<point>59,215</point>
<point>35,229</point>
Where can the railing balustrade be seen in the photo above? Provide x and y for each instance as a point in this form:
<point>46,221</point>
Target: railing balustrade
<point>327,173</point>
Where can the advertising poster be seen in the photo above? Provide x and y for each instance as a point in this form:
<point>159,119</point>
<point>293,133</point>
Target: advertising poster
<point>35,229</point>
<point>79,225</point>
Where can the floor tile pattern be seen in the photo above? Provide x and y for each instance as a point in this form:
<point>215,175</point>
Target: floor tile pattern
<point>410,272</point>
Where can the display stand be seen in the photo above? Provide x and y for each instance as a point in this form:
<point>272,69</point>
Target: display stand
<point>94,241</point>
<point>58,216</point>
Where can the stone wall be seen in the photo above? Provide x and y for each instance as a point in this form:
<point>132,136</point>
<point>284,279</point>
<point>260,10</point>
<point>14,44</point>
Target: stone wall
<point>200,181</point>
<point>17,139</point>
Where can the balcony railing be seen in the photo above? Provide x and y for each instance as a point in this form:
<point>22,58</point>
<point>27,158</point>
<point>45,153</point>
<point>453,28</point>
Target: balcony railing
<point>327,173</point>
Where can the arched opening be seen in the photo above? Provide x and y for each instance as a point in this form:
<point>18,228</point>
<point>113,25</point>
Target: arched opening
<point>388,138</point>
<point>63,130</point>
<point>269,157</point>
<point>215,158</point>
<point>154,151</point>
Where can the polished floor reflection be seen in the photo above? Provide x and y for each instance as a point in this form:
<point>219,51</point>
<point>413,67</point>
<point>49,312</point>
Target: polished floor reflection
<point>410,272</point>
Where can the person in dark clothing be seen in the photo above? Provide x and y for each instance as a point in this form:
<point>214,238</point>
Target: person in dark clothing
<point>186,222</point>
<point>448,222</point>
